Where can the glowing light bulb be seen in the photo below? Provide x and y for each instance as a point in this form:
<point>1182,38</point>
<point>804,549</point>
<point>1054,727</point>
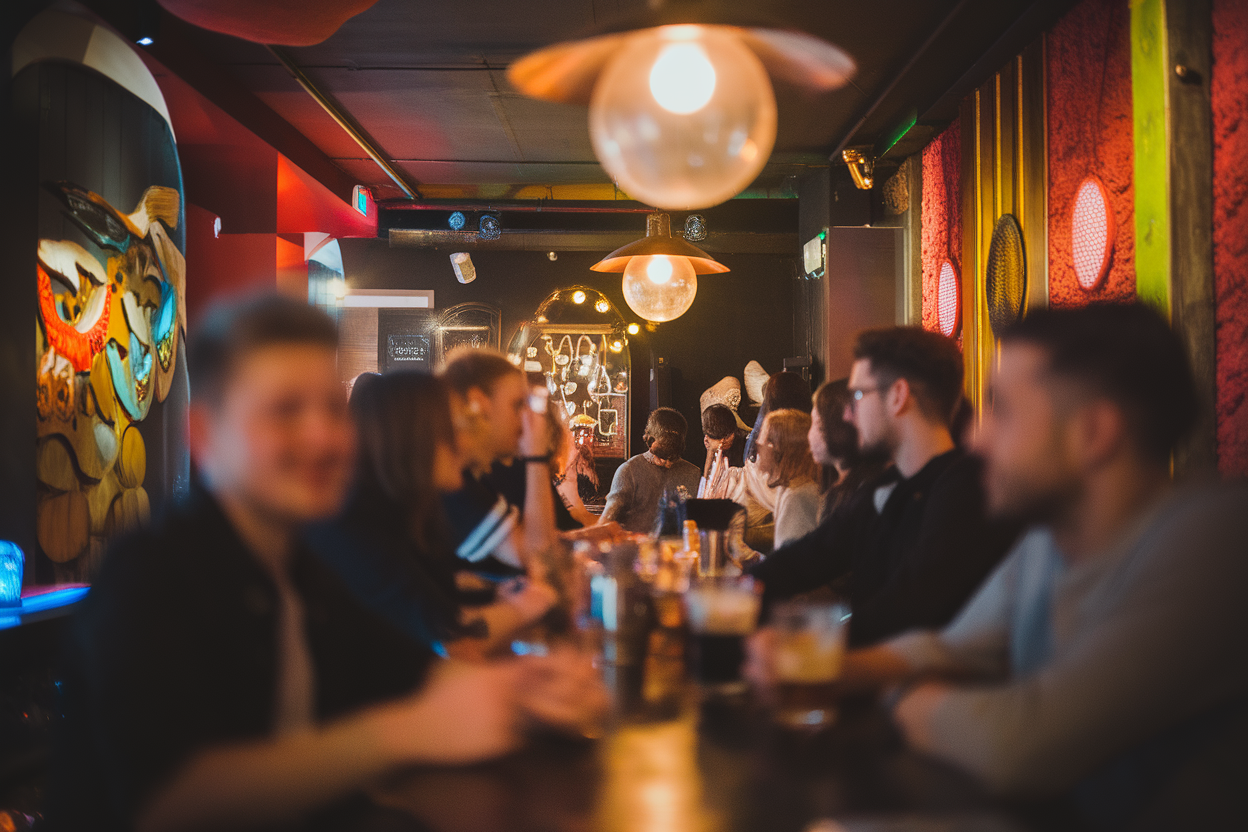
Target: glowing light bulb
<point>655,300</point>
<point>682,79</point>
<point>659,270</point>
<point>683,117</point>
<point>633,329</point>
<point>602,305</point>
<point>578,297</point>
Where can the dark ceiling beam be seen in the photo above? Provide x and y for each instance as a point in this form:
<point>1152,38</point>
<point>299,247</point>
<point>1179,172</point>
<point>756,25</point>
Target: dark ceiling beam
<point>346,122</point>
<point>176,50</point>
<point>604,241</point>
<point>850,134</point>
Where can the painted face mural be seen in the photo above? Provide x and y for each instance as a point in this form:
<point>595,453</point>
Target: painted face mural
<point>106,346</point>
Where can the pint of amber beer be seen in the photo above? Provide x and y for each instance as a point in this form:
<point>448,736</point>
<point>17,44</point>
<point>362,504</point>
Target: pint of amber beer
<point>810,641</point>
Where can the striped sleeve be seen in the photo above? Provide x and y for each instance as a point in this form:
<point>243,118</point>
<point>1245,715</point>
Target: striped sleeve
<point>490,534</point>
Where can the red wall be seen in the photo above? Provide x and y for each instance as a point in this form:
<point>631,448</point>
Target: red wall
<point>1229,90</point>
<point>942,214</point>
<point>1088,65</point>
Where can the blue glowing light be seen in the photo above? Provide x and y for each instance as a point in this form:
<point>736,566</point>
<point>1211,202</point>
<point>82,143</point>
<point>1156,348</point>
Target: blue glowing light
<point>44,601</point>
<point>456,221</point>
<point>145,41</point>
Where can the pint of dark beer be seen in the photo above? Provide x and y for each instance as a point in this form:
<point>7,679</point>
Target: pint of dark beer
<point>809,645</point>
<point>721,612</point>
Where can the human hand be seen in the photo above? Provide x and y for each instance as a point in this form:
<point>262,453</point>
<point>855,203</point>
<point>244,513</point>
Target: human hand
<point>529,598</point>
<point>465,712</point>
<point>915,710</point>
<point>603,532</point>
<point>563,690</point>
<point>534,438</point>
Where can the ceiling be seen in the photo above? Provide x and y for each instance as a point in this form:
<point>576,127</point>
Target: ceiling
<point>426,82</point>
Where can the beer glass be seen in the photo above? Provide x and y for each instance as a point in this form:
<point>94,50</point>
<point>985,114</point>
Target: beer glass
<point>809,646</point>
<point>721,612</point>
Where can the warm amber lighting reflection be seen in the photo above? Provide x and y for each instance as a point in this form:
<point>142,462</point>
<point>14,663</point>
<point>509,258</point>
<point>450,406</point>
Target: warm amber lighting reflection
<point>652,779</point>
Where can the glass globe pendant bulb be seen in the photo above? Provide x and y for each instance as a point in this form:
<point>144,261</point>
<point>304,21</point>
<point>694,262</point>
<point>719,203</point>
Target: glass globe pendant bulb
<point>683,117</point>
<point>660,301</point>
<point>682,79</point>
<point>659,270</point>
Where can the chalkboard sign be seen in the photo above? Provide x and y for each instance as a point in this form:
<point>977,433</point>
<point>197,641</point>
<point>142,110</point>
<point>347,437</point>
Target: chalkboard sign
<point>409,352</point>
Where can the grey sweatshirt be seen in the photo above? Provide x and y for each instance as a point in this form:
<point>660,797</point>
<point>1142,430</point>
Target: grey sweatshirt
<point>1081,663</point>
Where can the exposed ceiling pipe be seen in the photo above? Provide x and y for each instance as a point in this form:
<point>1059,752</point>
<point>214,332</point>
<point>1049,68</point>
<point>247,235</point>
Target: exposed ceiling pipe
<point>914,59</point>
<point>599,241</point>
<point>346,123</point>
<point>623,206</point>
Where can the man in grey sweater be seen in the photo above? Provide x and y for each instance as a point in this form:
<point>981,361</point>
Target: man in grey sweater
<point>1109,645</point>
<point>642,480</point>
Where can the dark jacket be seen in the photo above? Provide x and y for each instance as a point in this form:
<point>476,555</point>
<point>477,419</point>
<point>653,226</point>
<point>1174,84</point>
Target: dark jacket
<point>911,565</point>
<point>372,552</point>
<point>175,651</point>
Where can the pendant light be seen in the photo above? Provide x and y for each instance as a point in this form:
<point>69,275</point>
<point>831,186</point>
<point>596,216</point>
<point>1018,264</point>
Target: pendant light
<point>660,271</point>
<point>682,111</point>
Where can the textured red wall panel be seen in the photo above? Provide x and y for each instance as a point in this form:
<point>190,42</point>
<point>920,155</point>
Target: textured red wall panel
<point>1229,89</point>
<point>942,214</point>
<point>1088,66</point>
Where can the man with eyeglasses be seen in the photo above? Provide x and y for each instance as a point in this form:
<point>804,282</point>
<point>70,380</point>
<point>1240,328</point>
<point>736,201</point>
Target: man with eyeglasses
<point>915,543</point>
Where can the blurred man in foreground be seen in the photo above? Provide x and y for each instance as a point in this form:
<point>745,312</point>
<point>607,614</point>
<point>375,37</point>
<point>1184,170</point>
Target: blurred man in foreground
<point>218,675</point>
<point>1106,652</point>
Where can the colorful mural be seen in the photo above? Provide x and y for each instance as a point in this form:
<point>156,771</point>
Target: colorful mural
<point>108,376</point>
<point>106,341</point>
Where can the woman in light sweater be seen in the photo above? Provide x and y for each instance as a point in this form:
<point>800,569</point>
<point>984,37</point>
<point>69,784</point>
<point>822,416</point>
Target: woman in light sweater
<point>784,458</point>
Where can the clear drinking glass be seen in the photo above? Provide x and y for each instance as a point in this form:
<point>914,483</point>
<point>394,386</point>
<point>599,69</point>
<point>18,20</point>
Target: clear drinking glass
<point>809,646</point>
<point>721,612</point>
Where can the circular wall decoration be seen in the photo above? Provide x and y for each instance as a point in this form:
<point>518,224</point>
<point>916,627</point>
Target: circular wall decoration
<point>1005,283</point>
<point>948,300</point>
<point>1092,233</point>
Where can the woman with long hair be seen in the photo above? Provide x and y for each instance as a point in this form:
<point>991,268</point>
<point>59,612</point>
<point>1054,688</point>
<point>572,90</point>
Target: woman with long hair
<point>392,544</point>
<point>784,457</point>
<point>834,446</point>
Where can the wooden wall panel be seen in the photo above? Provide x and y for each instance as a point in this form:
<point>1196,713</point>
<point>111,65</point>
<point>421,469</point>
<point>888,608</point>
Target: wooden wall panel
<point>1004,171</point>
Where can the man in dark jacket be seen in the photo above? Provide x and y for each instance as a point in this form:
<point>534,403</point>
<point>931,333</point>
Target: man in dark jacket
<point>218,675</point>
<point>915,543</point>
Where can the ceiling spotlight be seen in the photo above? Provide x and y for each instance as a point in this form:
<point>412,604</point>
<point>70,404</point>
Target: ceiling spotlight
<point>578,296</point>
<point>456,220</point>
<point>489,228</point>
<point>660,271</point>
<point>695,228</point>
<point>602,305</point>
<point>465,271</point>
<point>861,167</point>
<point>682,111</point>
<point>633,329</point>
<point>552,256</point>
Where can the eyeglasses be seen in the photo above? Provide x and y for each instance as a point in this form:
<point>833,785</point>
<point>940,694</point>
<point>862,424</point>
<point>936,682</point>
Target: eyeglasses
<point>857,394</point>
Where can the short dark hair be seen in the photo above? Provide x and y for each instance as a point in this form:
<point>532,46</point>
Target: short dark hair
<point>718,421</point>
<point>231,330</point>
<point>786,390</point>
<point>467,368</point>
<point>1127,354</point>
<point>929,362</point>
<point>665,433</point>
